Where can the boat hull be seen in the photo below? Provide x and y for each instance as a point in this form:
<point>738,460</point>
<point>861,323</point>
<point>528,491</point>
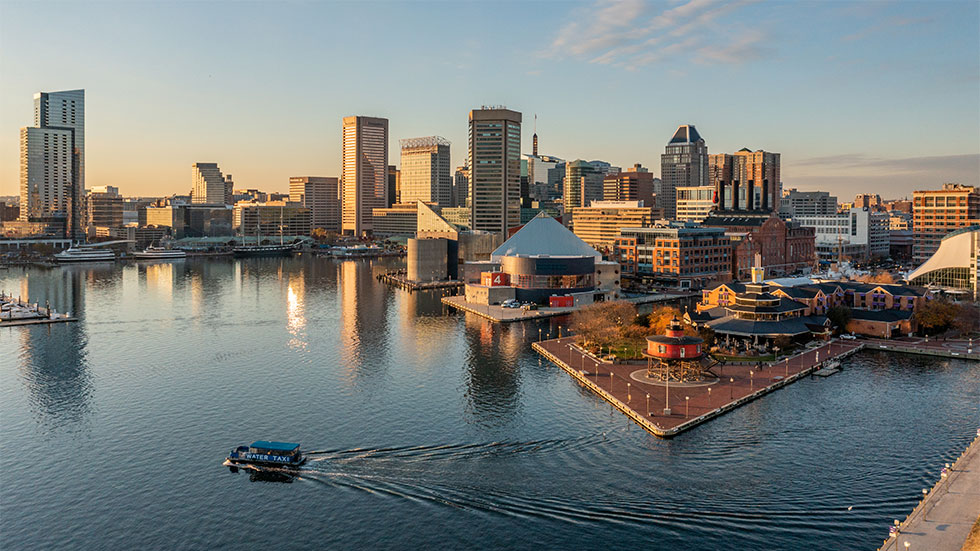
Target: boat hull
<point>262,251</point>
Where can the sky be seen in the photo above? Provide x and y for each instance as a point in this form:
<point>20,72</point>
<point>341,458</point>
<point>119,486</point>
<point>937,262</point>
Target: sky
<point>877,97</point>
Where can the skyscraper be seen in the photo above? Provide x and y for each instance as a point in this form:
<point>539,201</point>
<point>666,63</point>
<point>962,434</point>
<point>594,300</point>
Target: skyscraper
<point>495,169</point>
<point>365,172</point>
<point>209,186</point>
<point>52,173</point>
<point>630,185</point>
<point>582,185</point>
<point>684,163</point>
<point>746,180</point>
<point>425,173</point>
<point>321,195</point>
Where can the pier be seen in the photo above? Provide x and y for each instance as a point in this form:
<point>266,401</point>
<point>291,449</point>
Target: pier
<point>943,519</point>
<point>399,279</point>
<point>15,312</point>
<point>667,410</point>
<point>499,314</point>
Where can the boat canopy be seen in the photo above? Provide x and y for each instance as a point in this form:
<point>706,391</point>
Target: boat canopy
<point>275,446</point>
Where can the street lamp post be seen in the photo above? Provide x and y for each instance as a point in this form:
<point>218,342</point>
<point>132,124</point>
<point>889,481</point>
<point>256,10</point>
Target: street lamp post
<point>539,334</point>
<point>787,367</point>
<point>709,396</point>
<point>731,388</point>
<point>648,405</point>
<point>666,394</point>
<point>751,380</point>
<point>687,402</point>
<point>629,397</point>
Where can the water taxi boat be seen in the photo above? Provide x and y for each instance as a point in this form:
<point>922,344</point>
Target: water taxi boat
<point>264,452</point>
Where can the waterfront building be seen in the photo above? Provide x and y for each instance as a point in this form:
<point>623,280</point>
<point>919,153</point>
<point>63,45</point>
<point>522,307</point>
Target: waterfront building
<point>364,180</point>
<point>495,169</point>
<point>630,185</point>
<point>209,186</point>
<point>694,204</point>
<point>190,220</point>
<point>861,232</point>
<point>542,260</point>
<point>785,246</point>
<point>675,254</point>
<point>807,203</point>
<point>321,195</point>
<point>399,220</point>
<point>104,207</point>
<point>674,356</point>
<point>954,265</point>
<point>938,212</point>
<point>52,161</point>
<point>599,224</point>
<point>272,219</point>
<point>425,172</point>
<point>683,164</point>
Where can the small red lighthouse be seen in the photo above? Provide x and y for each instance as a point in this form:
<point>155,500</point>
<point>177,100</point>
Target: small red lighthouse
<point>678,357</point>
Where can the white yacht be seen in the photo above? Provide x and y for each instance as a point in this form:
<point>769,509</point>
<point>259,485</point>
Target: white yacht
<point>85,255</point>
<point>159,253</point>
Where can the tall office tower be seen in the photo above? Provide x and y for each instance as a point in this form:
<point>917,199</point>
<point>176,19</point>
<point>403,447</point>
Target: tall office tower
<point>394,185</point>
<point>495,169</point>
<point>208,186</point>
<point>937,212</point>
<point>321,195</point>
<point>53,159</point>
<point>461,186</point>
<point>684,163</point>
<point>365,172</point>
<point>631,185</point>
<point>582,185</point>
<point>425,170</point>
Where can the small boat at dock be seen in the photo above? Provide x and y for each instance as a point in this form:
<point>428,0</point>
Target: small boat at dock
<point>159,253</point>
<point>268,453</point>
<point>85,254</point>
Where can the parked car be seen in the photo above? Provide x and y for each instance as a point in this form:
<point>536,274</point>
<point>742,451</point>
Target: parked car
<point>848,337</point>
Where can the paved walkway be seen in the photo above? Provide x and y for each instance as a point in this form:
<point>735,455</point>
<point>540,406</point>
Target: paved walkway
<point>943,519</point>
<point>736,384</point>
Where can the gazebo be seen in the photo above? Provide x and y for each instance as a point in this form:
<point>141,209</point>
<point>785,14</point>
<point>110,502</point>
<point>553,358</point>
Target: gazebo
<point>674,356</point>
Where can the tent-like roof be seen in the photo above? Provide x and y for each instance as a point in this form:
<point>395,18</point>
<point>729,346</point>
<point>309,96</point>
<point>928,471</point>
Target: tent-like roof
<point>544,236</point>
<point>686,133</point>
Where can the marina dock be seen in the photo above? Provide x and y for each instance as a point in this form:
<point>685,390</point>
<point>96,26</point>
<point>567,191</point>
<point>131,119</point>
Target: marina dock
<point>624,386</point>
<point>499,314</point>
<point>400,280</point>
<point>943,519</point>
<point>16,312</point>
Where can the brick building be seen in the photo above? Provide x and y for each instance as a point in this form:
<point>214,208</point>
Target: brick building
<point>785,247</point>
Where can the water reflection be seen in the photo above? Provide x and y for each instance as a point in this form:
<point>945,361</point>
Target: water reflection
<point>493,377</point>
<point>296,310</point>
<point>364,323</point>
<point>53,363</point>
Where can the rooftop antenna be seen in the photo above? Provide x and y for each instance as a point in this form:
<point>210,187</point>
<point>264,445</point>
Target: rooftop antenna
<point>534,139</point>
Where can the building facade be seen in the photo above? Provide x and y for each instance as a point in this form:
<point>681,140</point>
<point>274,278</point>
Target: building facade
<point>954,266</point>
<point>746,180</point>
<point>683,164</point>
<point>677,254</point>
<point>271,220</point>
<point>321,195</point>
<point>52,177</point>
<point>935,213</point>
<point>365,172</point>
<point>582,185</point>
<point>209,186</point>
<point>425,171</point>
<point>694,203</point>
<point>784,247</point>
<point>104,207</point>
<point>859,234</point>
<point>495,169</point>
<point>807,203</point>
<point>635,184</point>
<point>599,224</point>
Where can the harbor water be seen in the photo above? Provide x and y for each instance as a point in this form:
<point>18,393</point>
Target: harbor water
<point>432,428</point>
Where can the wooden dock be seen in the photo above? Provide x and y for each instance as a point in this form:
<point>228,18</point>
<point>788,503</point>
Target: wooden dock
<point>399,279</point>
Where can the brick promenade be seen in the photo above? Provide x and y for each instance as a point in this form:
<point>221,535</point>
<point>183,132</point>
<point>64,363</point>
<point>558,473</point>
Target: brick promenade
<point>942,520</point>
<point>690,405</point>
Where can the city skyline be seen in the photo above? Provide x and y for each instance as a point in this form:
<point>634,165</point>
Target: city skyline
<point>881,97</point>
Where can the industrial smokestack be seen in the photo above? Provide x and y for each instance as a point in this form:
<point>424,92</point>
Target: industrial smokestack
<point>765,194</point>
<point>750,196</point>
<point>735,195</point>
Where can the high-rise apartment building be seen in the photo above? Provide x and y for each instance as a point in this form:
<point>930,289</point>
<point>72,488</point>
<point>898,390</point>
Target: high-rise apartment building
<point>684,164</point>
<point>806,203</point>
<point>209,186</point>
<point>52,173</point>
<point>694,203</point>
<point>321,195</point>
<point>365,172</point>
<point>938,212</point>
<point>746,180</point>
<point>631,185</point>
<point>425,171</point>
<point>495,169</point>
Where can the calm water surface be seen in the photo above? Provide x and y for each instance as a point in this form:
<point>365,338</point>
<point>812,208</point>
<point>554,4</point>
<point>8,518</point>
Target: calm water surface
<point>435,429</point>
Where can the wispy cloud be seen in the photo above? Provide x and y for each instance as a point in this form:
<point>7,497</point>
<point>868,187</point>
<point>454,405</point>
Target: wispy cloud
<point>939,163</point>
<point>635,33</point>
<point>889,177</point>
<point>887,24</point>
